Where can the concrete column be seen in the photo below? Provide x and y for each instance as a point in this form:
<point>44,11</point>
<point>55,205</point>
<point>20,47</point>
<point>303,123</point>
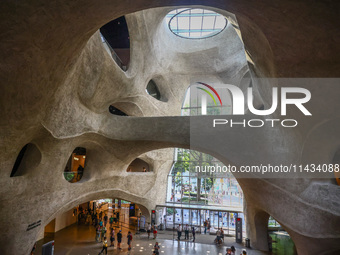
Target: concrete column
<point>257,227</point>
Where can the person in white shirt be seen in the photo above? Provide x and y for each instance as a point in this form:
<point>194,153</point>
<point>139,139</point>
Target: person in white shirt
<point>148,229</point>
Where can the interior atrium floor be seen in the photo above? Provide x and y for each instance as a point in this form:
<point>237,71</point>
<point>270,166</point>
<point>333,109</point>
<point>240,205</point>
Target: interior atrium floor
<point>80,240</point>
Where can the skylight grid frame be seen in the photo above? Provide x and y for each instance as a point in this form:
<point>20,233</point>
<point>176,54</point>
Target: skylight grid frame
<point>186,31</point>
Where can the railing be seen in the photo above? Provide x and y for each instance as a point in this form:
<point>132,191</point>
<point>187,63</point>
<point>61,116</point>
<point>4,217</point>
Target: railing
<point>73,176</point>
<point>113,54</point>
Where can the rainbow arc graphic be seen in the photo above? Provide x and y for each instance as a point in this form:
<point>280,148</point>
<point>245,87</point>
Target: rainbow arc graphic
<point>204,103</point>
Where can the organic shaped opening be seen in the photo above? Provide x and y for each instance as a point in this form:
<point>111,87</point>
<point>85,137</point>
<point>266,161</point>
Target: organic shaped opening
<point>116,111</point>
<point>195,23</point>
<point>152,90</point>
<point>278,238</point>
<point>28,158</point>
<point>138,165</point>
<point>116,40</point>
<point>74,168</point>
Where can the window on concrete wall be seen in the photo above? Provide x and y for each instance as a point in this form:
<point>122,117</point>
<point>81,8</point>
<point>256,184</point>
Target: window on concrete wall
<point>75,166</point>
<point>116,40</point>
<point>153,90</point>
<point>190,183</point>
<point>115,111</point>
<point>139,165</point>
<point>28,158</point>
<point>195,23</point>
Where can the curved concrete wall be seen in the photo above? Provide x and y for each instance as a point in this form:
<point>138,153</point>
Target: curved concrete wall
<point>58,82</point>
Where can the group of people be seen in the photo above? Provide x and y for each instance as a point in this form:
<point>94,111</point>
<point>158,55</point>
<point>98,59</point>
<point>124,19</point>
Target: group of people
<point>206,225</point>
<point>186,229</point>
<point>232,251</point>
<point>151,229</point>
<point>119,240</point>
<point>219,236</point>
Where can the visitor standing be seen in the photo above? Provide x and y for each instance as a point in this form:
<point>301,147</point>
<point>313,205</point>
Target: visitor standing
<point>129,240</point>
<point>205,226</point>
<point>111,221</point>
<point>105,219</point>
<point>119,239</point>
<point>148,230</point>
<point>98,231</point>
<point>112,237</point>
<point>179,232</point>
<point>186,232</point>
<point>193,231</point>
<point>103,233</point>
<point>154,232</point>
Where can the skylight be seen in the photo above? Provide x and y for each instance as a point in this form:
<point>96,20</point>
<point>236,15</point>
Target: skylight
<point>195,23</point>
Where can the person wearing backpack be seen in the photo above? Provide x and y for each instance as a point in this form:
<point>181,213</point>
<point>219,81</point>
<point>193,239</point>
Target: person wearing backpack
<point>156,249</point>
<point>129,238</point>
<point>104,247</point>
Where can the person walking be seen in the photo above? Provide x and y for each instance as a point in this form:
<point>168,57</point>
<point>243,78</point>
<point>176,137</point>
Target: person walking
<point>104,247</point>
<point>193,231</point>
<point>119,239</point>
<point>111,221</point>
<point>208,225</point>
<point>103,233</point>
<point>112,237</point>
<point>154,232</point>
<point>98,231</point>
<point>205,226</point>
<point>148,230</point>
<point>129,240</point>
<point>156,248</point>
<point>179,232</point>
<point>105,219</point>
<point>186,232</point>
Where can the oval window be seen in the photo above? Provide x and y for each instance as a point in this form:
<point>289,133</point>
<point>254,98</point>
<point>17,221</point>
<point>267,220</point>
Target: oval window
<point>195,23</point>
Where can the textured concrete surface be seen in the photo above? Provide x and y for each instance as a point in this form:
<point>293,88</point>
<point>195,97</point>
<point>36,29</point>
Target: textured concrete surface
<point>57,82</point>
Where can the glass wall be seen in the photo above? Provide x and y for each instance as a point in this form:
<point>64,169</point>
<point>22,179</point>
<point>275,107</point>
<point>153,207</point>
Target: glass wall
<point>171,217</point>
<point>187,185</point>
<point>273,223</point>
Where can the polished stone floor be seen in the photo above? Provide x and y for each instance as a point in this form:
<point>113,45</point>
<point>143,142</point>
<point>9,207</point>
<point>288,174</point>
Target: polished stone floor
<point>80,240</point>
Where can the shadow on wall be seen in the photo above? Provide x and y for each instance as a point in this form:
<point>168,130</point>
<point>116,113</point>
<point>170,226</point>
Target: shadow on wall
<point>28,158</point>
<point>139,165</point>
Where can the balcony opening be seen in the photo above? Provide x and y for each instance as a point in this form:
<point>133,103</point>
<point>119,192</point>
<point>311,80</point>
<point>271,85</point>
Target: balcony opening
<point>153,90</point>
<point>139,165</point>
<point>116,40</point>
<point>75,166</point>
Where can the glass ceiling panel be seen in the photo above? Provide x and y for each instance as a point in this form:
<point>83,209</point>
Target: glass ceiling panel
<point>195,23</point>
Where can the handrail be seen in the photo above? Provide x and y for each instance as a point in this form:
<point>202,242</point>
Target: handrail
<point>114,55</point>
